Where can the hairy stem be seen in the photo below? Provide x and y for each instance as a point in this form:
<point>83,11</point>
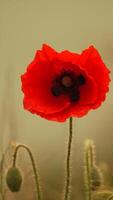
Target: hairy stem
<point>2,176</point>
<point>68,162</point>
<point>88,164</point>
<point>88,177</point>
<point>2,162</point>
<point>33,165</point>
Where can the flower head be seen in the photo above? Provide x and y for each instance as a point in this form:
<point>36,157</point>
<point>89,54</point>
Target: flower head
<point>59,85</point>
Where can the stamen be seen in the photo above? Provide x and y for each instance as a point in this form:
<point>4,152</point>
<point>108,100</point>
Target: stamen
<point>74,95</point>
<point>56,91</point>
<point>81,79</point>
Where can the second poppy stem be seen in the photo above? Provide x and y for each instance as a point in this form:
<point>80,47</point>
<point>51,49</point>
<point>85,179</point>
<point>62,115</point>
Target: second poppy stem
<point>68,160</point>
<point>33,165</point>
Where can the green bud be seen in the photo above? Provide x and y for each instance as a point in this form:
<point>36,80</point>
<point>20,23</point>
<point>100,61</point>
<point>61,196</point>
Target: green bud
<point>96,177</point>
<point>14,179</point>
<point>102,194</point>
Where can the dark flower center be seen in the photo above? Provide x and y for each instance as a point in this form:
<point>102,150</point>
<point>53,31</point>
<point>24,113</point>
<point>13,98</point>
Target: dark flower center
<point>81,79</point>
<point>68,83</point>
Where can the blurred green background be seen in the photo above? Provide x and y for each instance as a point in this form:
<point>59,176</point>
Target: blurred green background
<point>64,24</point>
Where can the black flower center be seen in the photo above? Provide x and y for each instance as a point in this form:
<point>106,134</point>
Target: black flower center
<point>68,83</point>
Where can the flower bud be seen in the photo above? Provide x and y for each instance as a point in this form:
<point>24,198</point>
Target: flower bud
<point>96,177</point>
<point>102,194</point>
<point>14,179</point>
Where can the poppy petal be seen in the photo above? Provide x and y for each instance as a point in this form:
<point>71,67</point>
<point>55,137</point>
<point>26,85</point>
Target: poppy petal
<point>93,64</point>
<point>46,53</point>
<point>37,90</point>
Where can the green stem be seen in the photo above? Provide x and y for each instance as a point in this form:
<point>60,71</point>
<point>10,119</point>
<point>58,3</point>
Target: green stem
<point>1,176</point>
<point>2,172</point>
<point>68,160</point>
<point>88,177</point>
<point>33,165</point>
<point>91,160</point>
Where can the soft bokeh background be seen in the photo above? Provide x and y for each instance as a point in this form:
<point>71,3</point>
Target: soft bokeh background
<point>64,24</point>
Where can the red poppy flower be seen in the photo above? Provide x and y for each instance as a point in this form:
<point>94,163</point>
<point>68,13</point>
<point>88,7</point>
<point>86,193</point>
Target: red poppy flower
<point>61,85</point>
